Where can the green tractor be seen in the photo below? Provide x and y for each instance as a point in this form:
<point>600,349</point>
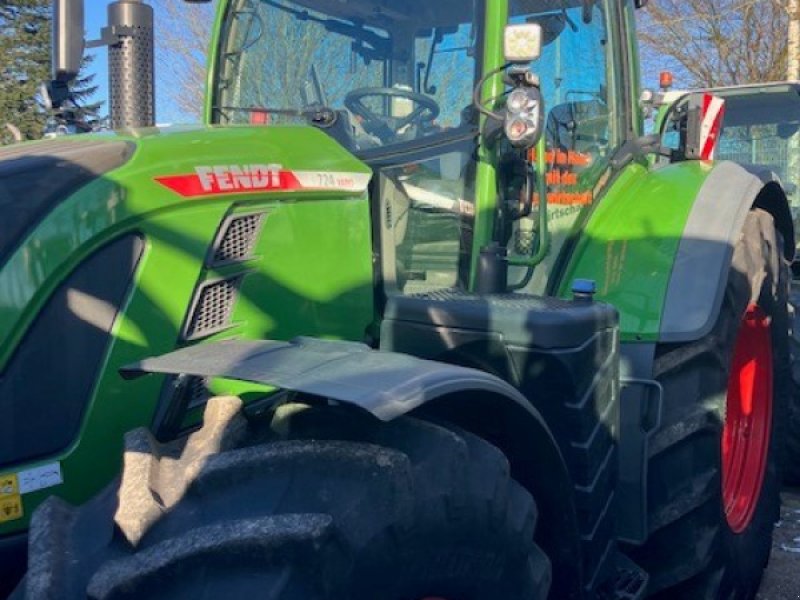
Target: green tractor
<point>410,316</point>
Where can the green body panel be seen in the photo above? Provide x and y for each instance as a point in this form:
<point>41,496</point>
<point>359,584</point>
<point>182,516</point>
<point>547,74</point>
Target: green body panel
<point>486,182</point>
<point>213,58</point>
<point>629,244</point>
<point>311,271</point>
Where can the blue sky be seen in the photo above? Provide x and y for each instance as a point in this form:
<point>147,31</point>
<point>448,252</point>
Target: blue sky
<point>96,20</point>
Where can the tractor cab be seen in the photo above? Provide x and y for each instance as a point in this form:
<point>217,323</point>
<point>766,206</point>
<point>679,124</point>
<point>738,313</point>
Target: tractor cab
<point>396,86</point>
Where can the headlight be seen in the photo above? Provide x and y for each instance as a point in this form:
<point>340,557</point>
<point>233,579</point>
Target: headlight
<point>524,116</point>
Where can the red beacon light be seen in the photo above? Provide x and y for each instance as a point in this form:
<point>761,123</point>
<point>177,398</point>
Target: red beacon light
<point>665,80</point>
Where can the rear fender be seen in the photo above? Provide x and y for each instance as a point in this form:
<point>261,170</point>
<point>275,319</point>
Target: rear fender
<point>660,244</point>
<point>699,273</point>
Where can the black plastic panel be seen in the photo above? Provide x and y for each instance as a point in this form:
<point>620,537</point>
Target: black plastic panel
<point>45,387</point>
<point>563,357</point>
<point>34,179</point>
<point>529,321</point>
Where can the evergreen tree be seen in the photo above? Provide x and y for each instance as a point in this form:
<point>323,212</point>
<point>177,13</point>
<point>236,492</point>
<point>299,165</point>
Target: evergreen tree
<point>25,64</point>
<point>81,92</point>
<point>25,27</point>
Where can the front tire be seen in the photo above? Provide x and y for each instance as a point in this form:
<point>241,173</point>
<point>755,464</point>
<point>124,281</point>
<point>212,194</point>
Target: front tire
<point>323,504</point>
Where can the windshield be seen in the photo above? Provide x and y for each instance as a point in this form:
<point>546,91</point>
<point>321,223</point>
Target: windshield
<point>370,75</point>
<point>763,128</point>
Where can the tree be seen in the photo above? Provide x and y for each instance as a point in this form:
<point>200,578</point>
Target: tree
<point>182,38</point>
<point>82,90</point>
<point>25,27</point>
<point>24,46</point>
<point>716,42</point>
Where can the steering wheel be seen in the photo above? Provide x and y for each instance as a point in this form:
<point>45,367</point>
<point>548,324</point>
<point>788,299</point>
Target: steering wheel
<point>387,128</point>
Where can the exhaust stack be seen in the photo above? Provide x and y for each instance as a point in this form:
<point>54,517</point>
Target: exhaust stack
<point>131,60</point>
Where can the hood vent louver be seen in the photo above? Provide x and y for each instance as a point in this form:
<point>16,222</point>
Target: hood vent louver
<point>237,239</point>
<point>212,308</point>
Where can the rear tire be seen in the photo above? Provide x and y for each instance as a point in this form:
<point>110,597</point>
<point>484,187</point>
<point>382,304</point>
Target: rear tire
<point>322,504</point>
<point>791,464</point>
<point>697,548</point>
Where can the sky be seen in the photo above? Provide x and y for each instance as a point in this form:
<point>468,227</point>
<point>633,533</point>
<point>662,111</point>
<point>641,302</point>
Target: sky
<point>96,18</point>
<point>95,21</point>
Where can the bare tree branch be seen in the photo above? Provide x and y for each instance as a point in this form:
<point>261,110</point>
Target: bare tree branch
<point>182,38</point>
<point>716,42</point>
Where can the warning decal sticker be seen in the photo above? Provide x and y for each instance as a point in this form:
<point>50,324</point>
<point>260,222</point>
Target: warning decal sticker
<point>40,478</point>
<point>9,485</point>
<point>10,508</point>
<point>10,501</point>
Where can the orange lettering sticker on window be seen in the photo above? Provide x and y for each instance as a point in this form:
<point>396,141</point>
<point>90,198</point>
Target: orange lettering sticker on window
<point>566,198</point>
<point>561,158</point>
<point>562,175</point>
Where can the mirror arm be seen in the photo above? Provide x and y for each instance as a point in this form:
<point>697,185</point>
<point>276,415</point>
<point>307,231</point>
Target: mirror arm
<point>639,149</point>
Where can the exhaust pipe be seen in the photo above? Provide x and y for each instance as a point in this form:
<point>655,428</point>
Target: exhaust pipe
<point>131,58</point>
<point>131,61</point>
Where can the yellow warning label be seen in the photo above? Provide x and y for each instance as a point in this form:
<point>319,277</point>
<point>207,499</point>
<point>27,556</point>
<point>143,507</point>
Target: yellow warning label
<point>10,508</point>
<point>8,485</point>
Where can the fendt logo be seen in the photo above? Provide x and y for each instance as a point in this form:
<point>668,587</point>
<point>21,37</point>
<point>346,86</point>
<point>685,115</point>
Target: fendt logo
<point>235,178</point>
<point>214,180</point>
<point>231,179</point>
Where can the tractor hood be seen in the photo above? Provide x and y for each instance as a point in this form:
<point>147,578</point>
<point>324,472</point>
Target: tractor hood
<point>63,199</point>
<point>169,166</point>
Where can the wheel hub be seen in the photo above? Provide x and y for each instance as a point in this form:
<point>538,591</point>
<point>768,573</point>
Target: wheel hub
<point>748,419</point>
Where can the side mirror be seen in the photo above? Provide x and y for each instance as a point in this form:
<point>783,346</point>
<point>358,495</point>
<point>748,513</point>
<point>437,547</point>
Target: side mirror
<point>692,126</point>
<point>68,40</point>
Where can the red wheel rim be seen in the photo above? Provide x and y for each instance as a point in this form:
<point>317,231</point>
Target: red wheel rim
<point>748,420</point>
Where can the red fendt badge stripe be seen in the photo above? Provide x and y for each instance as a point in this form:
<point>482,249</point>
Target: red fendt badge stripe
<point>237,179</point>
<point>214,181</point>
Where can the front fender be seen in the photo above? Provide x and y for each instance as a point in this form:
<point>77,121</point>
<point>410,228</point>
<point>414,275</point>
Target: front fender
<point>389,385</point>
<point>385,384</point>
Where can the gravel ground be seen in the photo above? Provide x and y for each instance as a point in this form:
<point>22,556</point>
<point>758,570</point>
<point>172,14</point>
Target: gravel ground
<point>782,579</point>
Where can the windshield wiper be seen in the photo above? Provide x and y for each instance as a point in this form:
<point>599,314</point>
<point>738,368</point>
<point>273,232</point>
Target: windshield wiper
<point>323,116</point>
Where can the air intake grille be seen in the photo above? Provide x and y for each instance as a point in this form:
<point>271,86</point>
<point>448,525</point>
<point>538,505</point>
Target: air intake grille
<point>212,308</point>
<point>239,239</point>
